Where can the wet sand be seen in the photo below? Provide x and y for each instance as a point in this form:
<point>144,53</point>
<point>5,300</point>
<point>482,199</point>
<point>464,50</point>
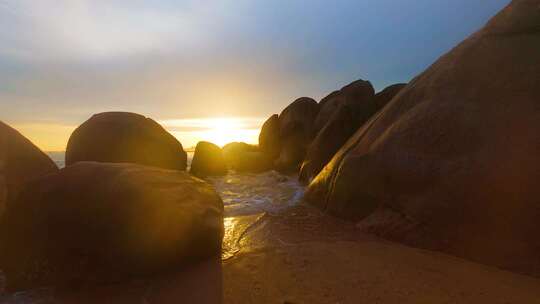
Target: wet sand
<point>303,256</point>
<point>306,257</point>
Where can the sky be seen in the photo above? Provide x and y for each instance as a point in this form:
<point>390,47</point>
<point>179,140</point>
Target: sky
<point>182,61</point>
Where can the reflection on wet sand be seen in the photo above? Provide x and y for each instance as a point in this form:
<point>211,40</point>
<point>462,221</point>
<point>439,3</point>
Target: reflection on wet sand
<point>235,229</point>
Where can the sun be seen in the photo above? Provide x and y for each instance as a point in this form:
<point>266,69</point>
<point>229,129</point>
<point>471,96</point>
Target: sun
<point>222,131</point>
<point>217,130</point>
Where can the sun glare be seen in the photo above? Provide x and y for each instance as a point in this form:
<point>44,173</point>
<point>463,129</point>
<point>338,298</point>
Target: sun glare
<point>219,131</point>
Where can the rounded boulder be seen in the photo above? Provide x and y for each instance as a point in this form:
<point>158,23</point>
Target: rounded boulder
<point>269,138</point>
<point>208,160</point>
<point>108,221</point>
<point>296,133</point>
<point>456,154</point>
<point>20,162</point>
<point>122,137</point>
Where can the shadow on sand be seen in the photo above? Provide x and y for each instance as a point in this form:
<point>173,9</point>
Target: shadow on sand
<point>200,283</point>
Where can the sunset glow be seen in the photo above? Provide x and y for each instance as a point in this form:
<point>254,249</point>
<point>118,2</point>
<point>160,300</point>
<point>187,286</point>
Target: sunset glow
<point>189,131</point>
<point>219,130</point>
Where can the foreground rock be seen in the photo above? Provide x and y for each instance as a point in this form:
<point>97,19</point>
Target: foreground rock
<point>269,138</point>
<point>101,222</point>
<point>455,155</point>
<point>296,132</point>
<point>208,160</point>
<point>119,137</point>
<point>358,93</point>
<point>20,162</point>
<point>243,157</point>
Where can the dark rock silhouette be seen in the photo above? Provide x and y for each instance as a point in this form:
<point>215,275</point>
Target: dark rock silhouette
<point>357,92</point>
<point>350,111</point>
<point>456,155</point>
<point>343,124</point>
<point>20,162</point>
<point>385,96</point>
<point>100,222</point>
<point>125,137</point>
<point>233,151</point>
<point>269,138</point>
<point>208,160</point>
<point>244,157</point>
<point>296,132</point>
<point>253,162</point>
<point>329,97</point>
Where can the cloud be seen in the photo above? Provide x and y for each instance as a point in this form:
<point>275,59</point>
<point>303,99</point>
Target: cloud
<point>89,30</point>
<point>167,59</point>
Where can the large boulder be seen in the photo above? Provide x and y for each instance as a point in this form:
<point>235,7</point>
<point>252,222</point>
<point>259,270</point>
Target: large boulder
<point>20,162</point>
<point>328,97</point>
<point>455,156</point>
<point>208,160</point>
<point>356,93</point>
<point>351,114</point>
<point>343,124</point>
<point>233,151</point>
<point>94,222</point>
<point>269,138</point>
<point>120,137</point>
<point>243,157</point>
<point>385,96</point>
<point>296,132</point>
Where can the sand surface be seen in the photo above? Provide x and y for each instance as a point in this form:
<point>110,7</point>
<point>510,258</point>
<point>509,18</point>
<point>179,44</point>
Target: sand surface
<point>302,256</point>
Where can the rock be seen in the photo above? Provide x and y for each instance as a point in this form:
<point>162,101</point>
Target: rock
<point>329,97</point>
<point>383,97</point>
<point>20,162</point>
<point>125,137</point>
<point>208,160</point>
<point>253,162</point>
<point>233,152</point>
<point>243,157</point>
<point>349,115</point>
<point>296,132</point>
<point>343,124</point>
<point>102,222</point>
<point>456,153</point>
<point>358,92</point>
<point>269,138</point>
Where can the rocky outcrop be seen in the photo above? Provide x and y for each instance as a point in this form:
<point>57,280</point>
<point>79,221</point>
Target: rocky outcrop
<point>296,132</point>
<point>355,93</point>
<point>233,151</point>
<point>208,160</point>
<point>345,121</point>
<point>385,96</point>
<point>328,97</point>
<point>269,138</point>
<point>455,155</point>
<point>253,162</point>
<point>20,162</point>
<point>350,111</point>
<point>120,137</point>
<point>94,222</point>
<point>243,157</point>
